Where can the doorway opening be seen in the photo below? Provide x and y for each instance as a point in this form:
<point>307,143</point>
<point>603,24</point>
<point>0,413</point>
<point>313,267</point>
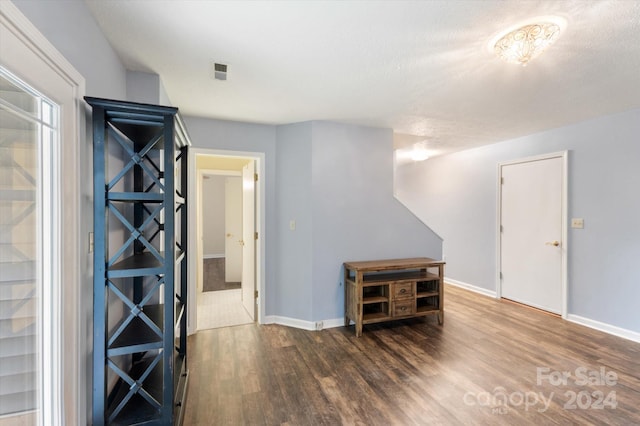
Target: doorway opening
<point>220,295</point>
<point>225,249</point>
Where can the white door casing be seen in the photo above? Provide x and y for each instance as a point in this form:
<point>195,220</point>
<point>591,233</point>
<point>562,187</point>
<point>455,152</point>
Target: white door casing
<point>260,223</point>
<point>532,232</point>
<point>248,238</point>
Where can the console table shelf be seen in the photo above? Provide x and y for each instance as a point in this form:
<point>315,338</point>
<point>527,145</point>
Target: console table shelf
<point>386,290</point>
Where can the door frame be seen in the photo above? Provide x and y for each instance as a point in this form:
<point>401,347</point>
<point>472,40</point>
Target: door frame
<point>248,293</point>
<point>564,155</point>
<point>259,158</point>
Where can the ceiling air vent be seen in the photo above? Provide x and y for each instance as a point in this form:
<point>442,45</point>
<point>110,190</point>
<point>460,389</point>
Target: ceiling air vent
<point>218,71</point>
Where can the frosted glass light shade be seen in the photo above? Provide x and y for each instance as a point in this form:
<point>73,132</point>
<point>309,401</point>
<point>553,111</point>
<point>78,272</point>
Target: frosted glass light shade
<point>527,42</point>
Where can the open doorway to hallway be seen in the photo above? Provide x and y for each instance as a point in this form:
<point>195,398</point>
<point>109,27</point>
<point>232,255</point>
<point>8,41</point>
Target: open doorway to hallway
<point>223,218</point>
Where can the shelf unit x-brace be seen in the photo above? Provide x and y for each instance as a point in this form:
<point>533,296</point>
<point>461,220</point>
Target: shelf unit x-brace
<point>140,269</point>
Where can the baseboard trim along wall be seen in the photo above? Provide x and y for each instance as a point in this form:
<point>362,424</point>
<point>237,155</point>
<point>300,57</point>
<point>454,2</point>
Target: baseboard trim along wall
<point>336,322</point>
<point>607,328</point>
<point>212,256</point>
<point>339,322</point>
<point>303,324</point>
<point>470,287</point>
<point>597,325</point>
<point>290,322</point>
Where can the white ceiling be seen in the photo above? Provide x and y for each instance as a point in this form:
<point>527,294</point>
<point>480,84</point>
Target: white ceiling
<point>419,67</point>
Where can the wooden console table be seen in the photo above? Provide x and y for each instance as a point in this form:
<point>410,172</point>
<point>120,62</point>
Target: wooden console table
<point>386,290</point>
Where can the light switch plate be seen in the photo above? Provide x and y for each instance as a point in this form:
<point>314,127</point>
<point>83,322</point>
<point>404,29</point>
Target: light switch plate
<point>577,223</point>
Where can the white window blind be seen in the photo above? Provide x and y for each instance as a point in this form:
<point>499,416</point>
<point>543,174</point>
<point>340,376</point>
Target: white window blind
<point>28,126</point>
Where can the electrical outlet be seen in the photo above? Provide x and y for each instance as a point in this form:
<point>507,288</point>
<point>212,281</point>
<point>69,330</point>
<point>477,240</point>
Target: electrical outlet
<point>319,325</point>
<point>91,243</point>
<point>577,223</point>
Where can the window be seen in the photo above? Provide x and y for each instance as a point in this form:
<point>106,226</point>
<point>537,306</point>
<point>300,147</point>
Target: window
<point>28,134</point>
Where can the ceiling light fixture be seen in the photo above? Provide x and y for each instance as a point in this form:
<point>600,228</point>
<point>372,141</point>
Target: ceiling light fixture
<point>420,152</point>
<point>522,43</point>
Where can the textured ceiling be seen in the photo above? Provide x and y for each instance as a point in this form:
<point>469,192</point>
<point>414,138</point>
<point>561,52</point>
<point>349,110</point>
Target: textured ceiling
<point>419,67</point>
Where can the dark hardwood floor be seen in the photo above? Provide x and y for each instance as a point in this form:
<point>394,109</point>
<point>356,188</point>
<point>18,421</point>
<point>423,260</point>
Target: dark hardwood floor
<point>491,363</point>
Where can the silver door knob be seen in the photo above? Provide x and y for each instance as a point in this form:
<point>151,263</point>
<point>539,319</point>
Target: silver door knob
<point>552,243</point>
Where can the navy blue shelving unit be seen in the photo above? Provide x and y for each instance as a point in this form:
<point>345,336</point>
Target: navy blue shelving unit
<point>140,268</point>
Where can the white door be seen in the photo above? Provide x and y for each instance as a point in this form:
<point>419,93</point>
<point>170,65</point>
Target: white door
<point>531,232</point>
<point>248,238</point>
<point>233,229</point>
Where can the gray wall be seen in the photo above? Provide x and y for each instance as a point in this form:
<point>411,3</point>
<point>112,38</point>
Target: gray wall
<point>145,88</point>
<point>235,136</point>
<point>355,215</point>
<point>294,202</point>
<point>457,196</point>
<point>336,182</point>
<point>71,28</point>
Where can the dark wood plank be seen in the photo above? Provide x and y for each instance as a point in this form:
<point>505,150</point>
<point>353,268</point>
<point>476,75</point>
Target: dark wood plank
<point>391,264</point>
<point>412,372</point>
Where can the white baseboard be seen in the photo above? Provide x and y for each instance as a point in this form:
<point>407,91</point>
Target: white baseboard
<point>290,322</point>
<point>333,323</point>
<point>303,324</point>
<point>597,325</point>
<point>607,328</point>
<point>339,322</point>
<point>212,256</point>
<point>471,287</point>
